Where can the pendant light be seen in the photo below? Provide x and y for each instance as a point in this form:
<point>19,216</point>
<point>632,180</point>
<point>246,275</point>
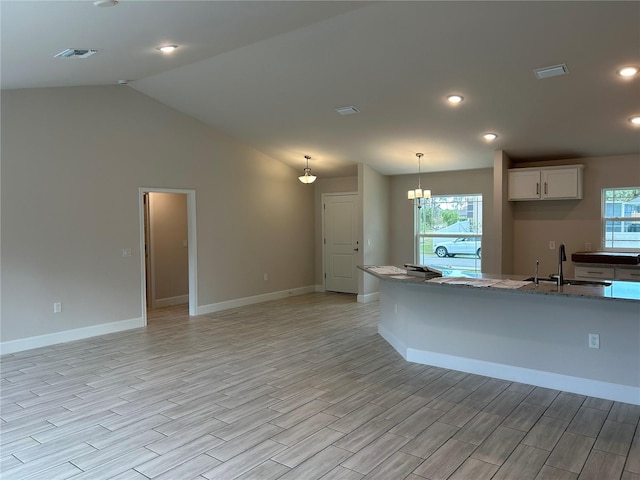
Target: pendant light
<point>416,195</point>
<point>307,177</point>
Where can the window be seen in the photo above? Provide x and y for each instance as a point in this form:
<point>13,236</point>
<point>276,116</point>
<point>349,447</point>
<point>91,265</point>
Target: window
<point>449,232</point>
<point>621,219</point>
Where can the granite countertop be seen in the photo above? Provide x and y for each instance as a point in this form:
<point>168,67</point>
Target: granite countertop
<point>618,290</point>
<point>607,258</point>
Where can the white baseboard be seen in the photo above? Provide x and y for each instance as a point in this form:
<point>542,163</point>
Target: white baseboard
<point>168,301</point>
<point>556,381</point>
<point>369,297</point>
<point>394,341</point>
<point>320,288</point>
<point>13,346</point>
<point>241,302</point>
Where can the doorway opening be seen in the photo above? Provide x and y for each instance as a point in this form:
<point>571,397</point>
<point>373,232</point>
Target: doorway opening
<point>172,239</point>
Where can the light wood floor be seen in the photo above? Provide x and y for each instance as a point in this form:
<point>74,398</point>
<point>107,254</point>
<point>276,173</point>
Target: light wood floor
<point>301,388</point>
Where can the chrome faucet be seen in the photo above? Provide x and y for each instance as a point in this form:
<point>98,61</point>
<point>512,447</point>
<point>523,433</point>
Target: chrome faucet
<point>562,257</point>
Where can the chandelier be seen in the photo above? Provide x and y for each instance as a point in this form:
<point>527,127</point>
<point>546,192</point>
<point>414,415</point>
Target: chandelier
<point>416,195</point>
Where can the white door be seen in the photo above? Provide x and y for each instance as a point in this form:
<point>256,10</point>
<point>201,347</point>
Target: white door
<point>340,243</point>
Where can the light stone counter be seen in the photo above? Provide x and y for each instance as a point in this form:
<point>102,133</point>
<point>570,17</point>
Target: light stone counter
<point>618,290</point>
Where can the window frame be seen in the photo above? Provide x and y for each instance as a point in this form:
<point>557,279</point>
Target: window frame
<point>418,236</point>
<point>604,219</point>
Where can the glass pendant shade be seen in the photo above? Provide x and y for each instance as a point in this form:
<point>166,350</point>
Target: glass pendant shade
<point>307,177</point>
<point>418,193</point>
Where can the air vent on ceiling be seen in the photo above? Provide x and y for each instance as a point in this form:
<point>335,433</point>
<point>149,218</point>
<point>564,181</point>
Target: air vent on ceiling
<point>347,110</point>
<point>75,53</point>
<point>553,71</point>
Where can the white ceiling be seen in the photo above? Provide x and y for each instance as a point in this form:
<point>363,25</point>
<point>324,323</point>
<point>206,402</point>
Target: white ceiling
<point>271,73</point>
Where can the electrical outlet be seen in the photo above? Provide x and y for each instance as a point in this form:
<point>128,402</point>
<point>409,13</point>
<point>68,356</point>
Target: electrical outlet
<point>594,340</point>
<point>126,252</point>
<point>552,245</point>
<point>57,307</point>
<point>395,308</point>
<point>265,277</point>
<point>587,246</point>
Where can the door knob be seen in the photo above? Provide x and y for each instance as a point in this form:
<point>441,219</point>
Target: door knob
<point>356,249</point>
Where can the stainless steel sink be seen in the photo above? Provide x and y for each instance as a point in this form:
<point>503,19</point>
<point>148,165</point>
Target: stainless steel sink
<point>571,281</point>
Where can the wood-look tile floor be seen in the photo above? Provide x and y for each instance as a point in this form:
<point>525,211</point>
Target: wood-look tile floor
<point>300,388</point>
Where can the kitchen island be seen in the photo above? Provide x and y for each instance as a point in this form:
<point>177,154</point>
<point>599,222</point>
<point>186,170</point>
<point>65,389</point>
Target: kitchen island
<point>517,330</point>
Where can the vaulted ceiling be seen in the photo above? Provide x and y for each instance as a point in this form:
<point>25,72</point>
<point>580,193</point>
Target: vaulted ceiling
<point>272,73</point>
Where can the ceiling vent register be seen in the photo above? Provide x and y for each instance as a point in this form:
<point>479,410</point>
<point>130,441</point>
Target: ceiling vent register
<point>75,53</point>
<point>350,110</point>
<point>553,71</point>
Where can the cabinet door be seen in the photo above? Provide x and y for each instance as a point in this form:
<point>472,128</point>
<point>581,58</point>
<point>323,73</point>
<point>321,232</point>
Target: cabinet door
<point>524,185</point>
<point>561,183</point>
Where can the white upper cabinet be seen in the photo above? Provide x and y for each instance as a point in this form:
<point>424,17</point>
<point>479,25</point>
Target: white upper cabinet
<point>524,184</point>
<point>547,183</point>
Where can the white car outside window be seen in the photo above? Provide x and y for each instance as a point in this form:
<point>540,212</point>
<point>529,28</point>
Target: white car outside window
<point>459,246</point>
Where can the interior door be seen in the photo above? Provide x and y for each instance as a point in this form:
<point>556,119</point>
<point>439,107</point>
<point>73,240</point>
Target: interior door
<point>341,245</point>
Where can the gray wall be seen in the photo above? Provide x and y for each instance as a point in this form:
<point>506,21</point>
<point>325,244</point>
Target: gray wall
<point>73,160</point>
<point>499,240</point>
<point>169,257</point>
<point>516,234</point>
<point>572,222</point>
<point>440,183</point>
<point>374,198</point>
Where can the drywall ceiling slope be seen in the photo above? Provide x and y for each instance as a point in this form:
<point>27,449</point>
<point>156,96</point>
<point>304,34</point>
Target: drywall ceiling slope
<point>397,61</point>
<point>272,73</point>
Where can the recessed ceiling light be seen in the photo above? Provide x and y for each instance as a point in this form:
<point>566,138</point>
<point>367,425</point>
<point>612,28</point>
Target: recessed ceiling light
<point>635,120</point>
<point>167,48</point>
<point>455,99</point>
<point>628,71</point>
<point>489,137</point>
